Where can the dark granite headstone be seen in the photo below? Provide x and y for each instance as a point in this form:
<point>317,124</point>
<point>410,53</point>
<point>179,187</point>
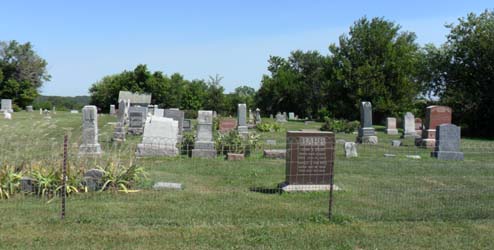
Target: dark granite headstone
<point>448,138</point>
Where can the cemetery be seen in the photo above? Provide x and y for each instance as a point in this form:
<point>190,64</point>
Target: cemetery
<point>381,141</point>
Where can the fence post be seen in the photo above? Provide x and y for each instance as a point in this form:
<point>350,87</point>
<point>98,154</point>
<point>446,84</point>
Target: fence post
<point>64,175</point>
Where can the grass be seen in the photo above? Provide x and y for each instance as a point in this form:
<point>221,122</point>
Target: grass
<point>387,203</point>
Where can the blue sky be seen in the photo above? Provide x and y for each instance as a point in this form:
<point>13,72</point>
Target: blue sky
<point>86,40</point>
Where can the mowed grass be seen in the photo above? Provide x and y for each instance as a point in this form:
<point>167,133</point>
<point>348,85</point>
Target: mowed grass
<point>386,202</point>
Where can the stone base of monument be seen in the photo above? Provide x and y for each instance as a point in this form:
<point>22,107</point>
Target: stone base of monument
<point>448,155</point>
<point>275,153</point>
<point>392,131</point>
<point>285,187</point>
<point>235,157</point>
<point>156,150</point>
<point>372,139</point>
<point>90,150</point>
<point>426,143</point>
<point>135,131</point>
<point>168,185</point>
<point>243,130</point>
<point>204,149</point>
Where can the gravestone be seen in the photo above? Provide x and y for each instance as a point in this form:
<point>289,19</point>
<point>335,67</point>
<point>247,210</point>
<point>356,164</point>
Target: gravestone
<point>134,99</point>
<point>395,143</point>
<point>271,116</point>
<point>93,179</point>
<point>242,119</point>
<point>309,161</point>
<point>434,116</point>
<point>29,108</point>
<point>418,127</point>
<point>280,117</point>
<point>160,137</point>
<point>350,149</point>
<point>28,185</point>
<point>177,115</point>
<point>7,115</point>
<point>6,105</point>
<point>227,125</point>
<point>391,126</point>
<point>137,118</point>
<point>251,117</point>
<point>366,133</point>
<point>73,111</point>
<point>258,116</point>
<point>90,144</point>
<point>448,137</point>
<point>204,145</point>
<point>112,109</point>
<point>159,112</point>
<point>119,131</point>
<point>291,116</point>
<point>274,153</point>
<point>54,110</point>
<point>187,125</point>
<point>409,126</point>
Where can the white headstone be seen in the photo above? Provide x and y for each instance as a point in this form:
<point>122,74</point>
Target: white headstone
<point>409,125</point>
<point>350,149</point>
<point>391,126</point>
<point>6,105</point>
<point>160,137</point>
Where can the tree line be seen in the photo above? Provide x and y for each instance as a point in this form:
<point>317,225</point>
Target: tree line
<point>375,61</point>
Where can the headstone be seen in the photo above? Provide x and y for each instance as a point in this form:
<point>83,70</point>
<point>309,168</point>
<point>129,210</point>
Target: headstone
<point>271,116</point>
<point>351,149</point>
<point>134,99</point>
<point>242,116</point>
<point>448,138</point>
<point>291,116</point>
<point>204,144</point>
<point>274,153</point>
<point>176,115</point>
<point>417,157</point>
<point>151,109</point>
<point>137,119</point>
<point>72,111</point>
<point>285,116</point>
<point>309,161</point>
<point>6,105</point>
<point>215,114</point>
<point>119,132</point>
<point>434,116</point>
<point>41,111</point>
<point>280,117</point>
<point>366,133</point>
<point>391,126</point>
<point>418,127</point>
<point>90,144</point>
<point>258,116</point>
<point>7,115</point>
<point>93,179</point>
<point>187,126</point>
<point>167,185</point>
<point>227,125</point>
<point>235,157</point>
<point>28,185</point>
<point>389,155</point>
<point>54,110</point>
<point>160,137</point>
<point>395,143</point>
<point>112,110</point>
<point>251,117</point>
<point>29,108</point>
<point>159,112</point>
<point>409,126</point>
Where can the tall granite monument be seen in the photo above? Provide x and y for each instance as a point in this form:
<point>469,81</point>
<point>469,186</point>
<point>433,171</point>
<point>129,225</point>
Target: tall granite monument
<point>447,147</point>
<point>204,144</point>
<point>366,133</point>
<point>242,119</point>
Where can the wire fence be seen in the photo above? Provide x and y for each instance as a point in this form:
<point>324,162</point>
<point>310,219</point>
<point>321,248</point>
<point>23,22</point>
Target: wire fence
<point>245,183</point>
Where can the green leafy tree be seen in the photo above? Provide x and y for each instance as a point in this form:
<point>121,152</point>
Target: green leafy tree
<point>22,72</point>
<point>376,62</point>
<point>462,72</point>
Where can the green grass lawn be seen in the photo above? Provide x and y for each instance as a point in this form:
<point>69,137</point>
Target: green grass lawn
<point>386,202</point>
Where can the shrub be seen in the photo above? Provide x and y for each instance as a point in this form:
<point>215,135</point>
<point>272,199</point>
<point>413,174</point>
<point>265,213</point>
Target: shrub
<point>233,142</point>
<point>268,127</point>
<point>339,126</point>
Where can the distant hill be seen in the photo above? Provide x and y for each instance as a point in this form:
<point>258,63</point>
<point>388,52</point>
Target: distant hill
<point>61,102</point>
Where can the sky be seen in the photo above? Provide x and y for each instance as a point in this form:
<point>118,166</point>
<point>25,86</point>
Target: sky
<point>83,41</point>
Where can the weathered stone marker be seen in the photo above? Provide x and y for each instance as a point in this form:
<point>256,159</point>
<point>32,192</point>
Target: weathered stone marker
<point>409,126</point>
<point>227,125</point>
<point>160,137</point>
<point>435,116</point>
<point>29,108</point>
<point>280,117</point>
<point>309,160</point>
<point>391,126</point>
<point>258,116</point>
<point>204,145</point>
<point>448,137</point>
<point>242,119</point>
<point>366,133</point>
<point>187,125</point>
<point>112,109</point>
<point>119,132</point>
<point>90,144</point>
<point>137,118</point>
<point>350,149</point>
<point>6,105</point>
<point>176,115</point>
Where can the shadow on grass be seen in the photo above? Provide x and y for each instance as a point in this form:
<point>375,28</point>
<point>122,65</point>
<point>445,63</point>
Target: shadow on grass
<point>266,190</point>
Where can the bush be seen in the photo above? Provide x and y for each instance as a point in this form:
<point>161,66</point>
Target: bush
<point>268,127</point>
<point>188,140</point>
<point>233,142</point>
<point>339,126</point>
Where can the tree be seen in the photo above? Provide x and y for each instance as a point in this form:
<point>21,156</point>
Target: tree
<point>22,72</point>
<point>378,63</point>
<point>462,72</point>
